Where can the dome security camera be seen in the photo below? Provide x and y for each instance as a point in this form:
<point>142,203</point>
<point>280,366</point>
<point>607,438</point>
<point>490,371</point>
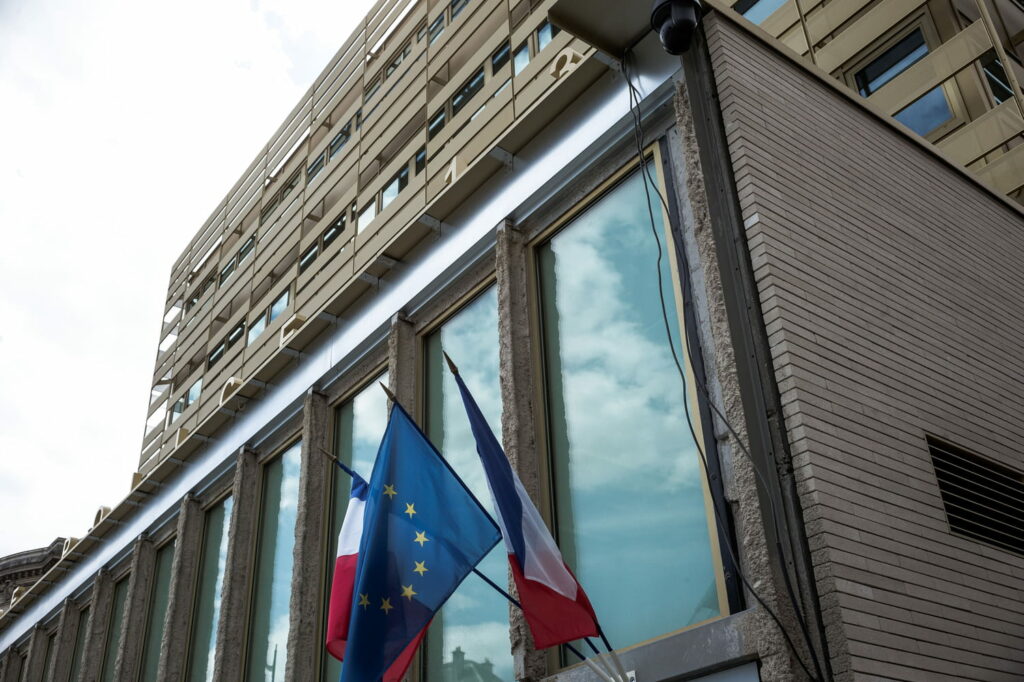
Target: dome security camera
<point>675,22</point>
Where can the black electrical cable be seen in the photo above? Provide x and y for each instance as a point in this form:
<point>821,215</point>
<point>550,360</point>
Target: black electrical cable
<point>634,105</point>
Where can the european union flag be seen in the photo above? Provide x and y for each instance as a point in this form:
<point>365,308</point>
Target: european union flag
<point>423,532</point>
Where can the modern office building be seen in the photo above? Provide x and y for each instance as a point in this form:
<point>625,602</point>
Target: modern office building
<point>748,322</point>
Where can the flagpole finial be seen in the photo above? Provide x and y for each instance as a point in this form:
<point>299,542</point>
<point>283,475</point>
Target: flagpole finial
<point>391,396</point>
<point>451,365</point>
<point>327,454</point>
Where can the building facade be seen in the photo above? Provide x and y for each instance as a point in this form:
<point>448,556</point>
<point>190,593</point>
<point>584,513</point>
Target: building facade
<point>747,323</point>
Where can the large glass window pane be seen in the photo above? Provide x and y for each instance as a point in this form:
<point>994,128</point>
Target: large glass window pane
<point>268,628</point>
<point>469,638</point>
<point>359,427</point>
<point>628,482</point>
<point>758,10</point>
<point>157,611</point>
<point>114,630</point>
<point>206,611</point>
<point>923,115</point>
<point>76,657</point>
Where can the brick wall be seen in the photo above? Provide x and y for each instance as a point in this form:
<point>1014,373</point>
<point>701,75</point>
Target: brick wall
<point>893,297</point>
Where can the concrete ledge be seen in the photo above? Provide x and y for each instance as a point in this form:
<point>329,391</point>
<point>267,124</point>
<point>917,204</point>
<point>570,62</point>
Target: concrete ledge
<point>715,646</point>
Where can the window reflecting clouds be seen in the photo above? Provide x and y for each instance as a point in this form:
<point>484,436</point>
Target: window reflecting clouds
<point>469,639</point>
<point>208,595</point>
<point>631,512</point>
<point>268,631</point>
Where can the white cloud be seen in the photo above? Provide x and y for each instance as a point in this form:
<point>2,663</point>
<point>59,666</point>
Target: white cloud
<point>123,126</point>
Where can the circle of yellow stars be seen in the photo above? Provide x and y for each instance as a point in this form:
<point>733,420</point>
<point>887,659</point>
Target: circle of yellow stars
<point>419,567</point>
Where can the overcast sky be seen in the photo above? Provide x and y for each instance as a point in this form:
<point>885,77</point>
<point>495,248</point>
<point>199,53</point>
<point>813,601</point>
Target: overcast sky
<point>122,125</point>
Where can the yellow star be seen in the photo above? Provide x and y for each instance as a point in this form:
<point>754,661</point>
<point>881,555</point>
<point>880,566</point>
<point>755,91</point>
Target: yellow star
<point>409,509</point>
<point>407,591</point>
<point>420,568</point>
<point>421,538</point>
<point>364,601</point>
<point>390,491</point>
<point>385,605</point>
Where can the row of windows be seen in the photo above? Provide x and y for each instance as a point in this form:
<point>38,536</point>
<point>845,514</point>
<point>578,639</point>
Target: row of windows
<point>244,251</point>
<point>586,354</point>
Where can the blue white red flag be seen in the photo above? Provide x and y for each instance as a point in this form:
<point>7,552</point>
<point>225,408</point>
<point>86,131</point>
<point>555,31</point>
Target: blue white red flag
<point>422,534</point>
<point>343,583</point>
<point>555,605</point>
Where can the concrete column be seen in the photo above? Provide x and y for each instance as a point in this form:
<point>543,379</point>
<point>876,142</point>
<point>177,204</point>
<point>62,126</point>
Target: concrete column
<point>102,601</point>
<point>67,631</point>
<point>36,660</point>
<point>234,611</point>
<point>136,608</point>
<point>311,520</point>
<point>518,427</point>
<point>184,568</point>
<point>10,669</point>
<point>402,361</point>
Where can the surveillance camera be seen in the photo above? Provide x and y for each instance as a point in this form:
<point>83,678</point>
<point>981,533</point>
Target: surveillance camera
<point>675,22</point>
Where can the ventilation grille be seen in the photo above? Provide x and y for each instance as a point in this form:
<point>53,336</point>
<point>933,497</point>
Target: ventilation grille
<point>984,501</point>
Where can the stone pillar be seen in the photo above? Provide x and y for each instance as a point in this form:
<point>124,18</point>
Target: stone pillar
<point>311,520</point>
<point>234,610</point>
<point>36,659</point>
<point>136,608</point>
<point>518,427</point>
<point>402,361</point>
<point>10,666</point>
<point>102,601</point>
<point>184,568</point>
<point>64,643</point>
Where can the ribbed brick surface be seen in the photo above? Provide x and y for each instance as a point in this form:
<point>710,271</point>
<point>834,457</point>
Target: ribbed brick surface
<point>893,293</point>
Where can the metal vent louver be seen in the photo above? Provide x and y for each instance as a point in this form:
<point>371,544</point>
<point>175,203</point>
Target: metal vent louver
<point>983,500</point>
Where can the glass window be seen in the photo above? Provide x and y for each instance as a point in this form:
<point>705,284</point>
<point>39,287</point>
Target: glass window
<point>464,94</point>
<point>315,167</point>
<point>457,7</point>
<point>501,57</point>
<point>421,160</point>
<point>291,184</point>
<point>235,334</point>
<point>758,10</point>
<point>268,627</point>
<point>926,113</point>
<point>114,628</point>
<point>194,391</point>
<point>545,34</point>
<point>371,90</point>
<point>998,83</point>
<point>256,328</point>
<point>469,637</point>
<point>158,602</point>
<point>268,209</point>
<point>366,216</point>
<point>216,354</point>
<point>394,188</point>
<point>436,124</point>
<point>206,611</point>
<point>76,656</point>
<point>359,426</point>
<point>618,349</point>
<point>338,143</point>
<point>334,230</point>
<point>246,249</point>
<point>309,256</point>
<point>225,274</point>
<point>279,305</point>
<point>422,31</point>
<point>436,29</point>
<point>176,410</point>
<point>174,311</point>
<point>168,341</point>
<point>521,58</point>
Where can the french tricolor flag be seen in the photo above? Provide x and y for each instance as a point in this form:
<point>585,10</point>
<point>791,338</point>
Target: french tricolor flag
<point>339,611</point>
<point>555,605</point>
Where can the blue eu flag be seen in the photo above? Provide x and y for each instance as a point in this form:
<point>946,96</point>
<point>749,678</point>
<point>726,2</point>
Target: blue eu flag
<point>423,532</point>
